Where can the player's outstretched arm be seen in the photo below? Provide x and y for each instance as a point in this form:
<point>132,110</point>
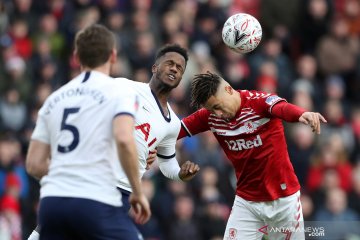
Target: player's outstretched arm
<point>292,113</point>
<point>313,119</point>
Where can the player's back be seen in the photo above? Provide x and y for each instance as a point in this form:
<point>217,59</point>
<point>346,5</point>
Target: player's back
<point>84,161</point>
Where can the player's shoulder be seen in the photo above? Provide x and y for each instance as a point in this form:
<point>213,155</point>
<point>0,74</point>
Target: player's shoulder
<point>254,94</point>
<point>137,86</point>
<point>256,98</point>
<point>121,86</point>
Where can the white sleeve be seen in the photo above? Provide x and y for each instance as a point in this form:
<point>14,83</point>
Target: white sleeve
<point>41,131</point>
<point>169,167</point>
<point>127,102</point>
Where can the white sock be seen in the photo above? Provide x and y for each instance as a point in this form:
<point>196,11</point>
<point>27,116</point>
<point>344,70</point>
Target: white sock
<point>34,236</point>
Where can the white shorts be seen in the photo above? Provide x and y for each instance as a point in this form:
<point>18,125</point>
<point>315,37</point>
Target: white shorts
<point>280,219</point>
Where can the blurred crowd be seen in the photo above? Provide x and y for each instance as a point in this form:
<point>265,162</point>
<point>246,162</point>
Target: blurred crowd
<point>309,54</point>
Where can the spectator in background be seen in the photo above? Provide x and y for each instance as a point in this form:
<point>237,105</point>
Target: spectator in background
<point>352,16</point>
<point>143,51</point>
<point>301,94</point>
<point>10,215</point>
<point>307,80</point>
<point>163,203</point>
<point>336,210</point>
<point>271,51</point>
<point>11,162</point>
<point>152,229</point>
<point>185,225</point>
<point>48,28</point>
<point>301,147</point>
<point>19,34</point>
<point>17,77</point>
<point>267,80</point>
<point>335,89</point>
<point>354,196</point>
<point>279,19</point>
<point>22,9</point>
<point>355,125</point>
<point>13,111</point>
<point>314,23</point>
<point>212,219</point>
<point>338,125</point>
<point>337,50</point>
<point>328,170</point>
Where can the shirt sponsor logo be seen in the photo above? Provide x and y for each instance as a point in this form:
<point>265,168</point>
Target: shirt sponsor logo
<point>272,99</point>
<point>241,144</point>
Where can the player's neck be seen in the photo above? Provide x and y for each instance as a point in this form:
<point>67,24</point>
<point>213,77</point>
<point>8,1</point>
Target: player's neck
<point>103,69</point>
<point>162,94</point>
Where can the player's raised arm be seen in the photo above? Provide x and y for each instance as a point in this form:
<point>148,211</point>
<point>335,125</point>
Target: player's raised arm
<point>292,113</point>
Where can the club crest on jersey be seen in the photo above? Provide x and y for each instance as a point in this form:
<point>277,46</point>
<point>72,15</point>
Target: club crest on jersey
<point>232,233</point>
<point>249,126</point>
<point>272,99</point>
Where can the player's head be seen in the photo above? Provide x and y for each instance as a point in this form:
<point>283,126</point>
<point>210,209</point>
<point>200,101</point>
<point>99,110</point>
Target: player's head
<point>170,65</point>
<point>212,92</point>
<point>94,46</point>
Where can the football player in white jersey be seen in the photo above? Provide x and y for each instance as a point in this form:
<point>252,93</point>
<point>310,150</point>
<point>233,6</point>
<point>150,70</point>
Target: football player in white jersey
<point>156,125</point>
<point>84,128</point>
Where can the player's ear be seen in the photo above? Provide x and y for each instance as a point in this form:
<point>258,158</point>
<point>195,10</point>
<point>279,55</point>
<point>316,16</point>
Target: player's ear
<point>76,57</point>
<point>154,68</point>
<point>113,56</point>
<point>229,89</point>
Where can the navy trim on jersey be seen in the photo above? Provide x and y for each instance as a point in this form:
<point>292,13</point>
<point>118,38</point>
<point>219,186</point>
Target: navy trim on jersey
<point>165,157</point>
<point>86,77</point>
<point>168,119</point>
<point>124,113</point>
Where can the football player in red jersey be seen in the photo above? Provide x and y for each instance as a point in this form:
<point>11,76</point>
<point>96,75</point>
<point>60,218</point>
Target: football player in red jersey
<point>248,127</point>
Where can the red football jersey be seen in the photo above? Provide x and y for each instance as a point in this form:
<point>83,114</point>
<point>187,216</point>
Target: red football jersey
<point>254,141</point>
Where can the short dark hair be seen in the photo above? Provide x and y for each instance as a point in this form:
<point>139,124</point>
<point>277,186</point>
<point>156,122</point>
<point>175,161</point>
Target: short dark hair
<point>94,45</point>
<point>203,87</point>
<point>172,48</point>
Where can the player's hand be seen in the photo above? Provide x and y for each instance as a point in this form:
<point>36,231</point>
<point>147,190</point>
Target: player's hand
<point>312,119</point>
<point>141,208</point>
<point>151,159</point>
<point>188,170</point>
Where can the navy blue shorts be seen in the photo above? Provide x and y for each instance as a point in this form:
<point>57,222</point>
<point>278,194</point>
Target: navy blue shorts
<point>125,199</point>
<point>79,218</point>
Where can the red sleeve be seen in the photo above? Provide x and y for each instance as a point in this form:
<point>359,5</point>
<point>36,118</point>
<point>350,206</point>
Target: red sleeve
<point>194,124</point>
<point>287,111</point>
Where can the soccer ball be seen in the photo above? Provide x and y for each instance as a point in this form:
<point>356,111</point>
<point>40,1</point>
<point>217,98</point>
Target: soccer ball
<point>242,33</point>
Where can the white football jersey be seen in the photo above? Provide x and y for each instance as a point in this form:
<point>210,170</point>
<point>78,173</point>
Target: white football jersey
<point>76,120</point>
<point>152,129</point>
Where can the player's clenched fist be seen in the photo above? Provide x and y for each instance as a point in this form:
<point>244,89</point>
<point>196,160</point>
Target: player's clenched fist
<point>188,170</point>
